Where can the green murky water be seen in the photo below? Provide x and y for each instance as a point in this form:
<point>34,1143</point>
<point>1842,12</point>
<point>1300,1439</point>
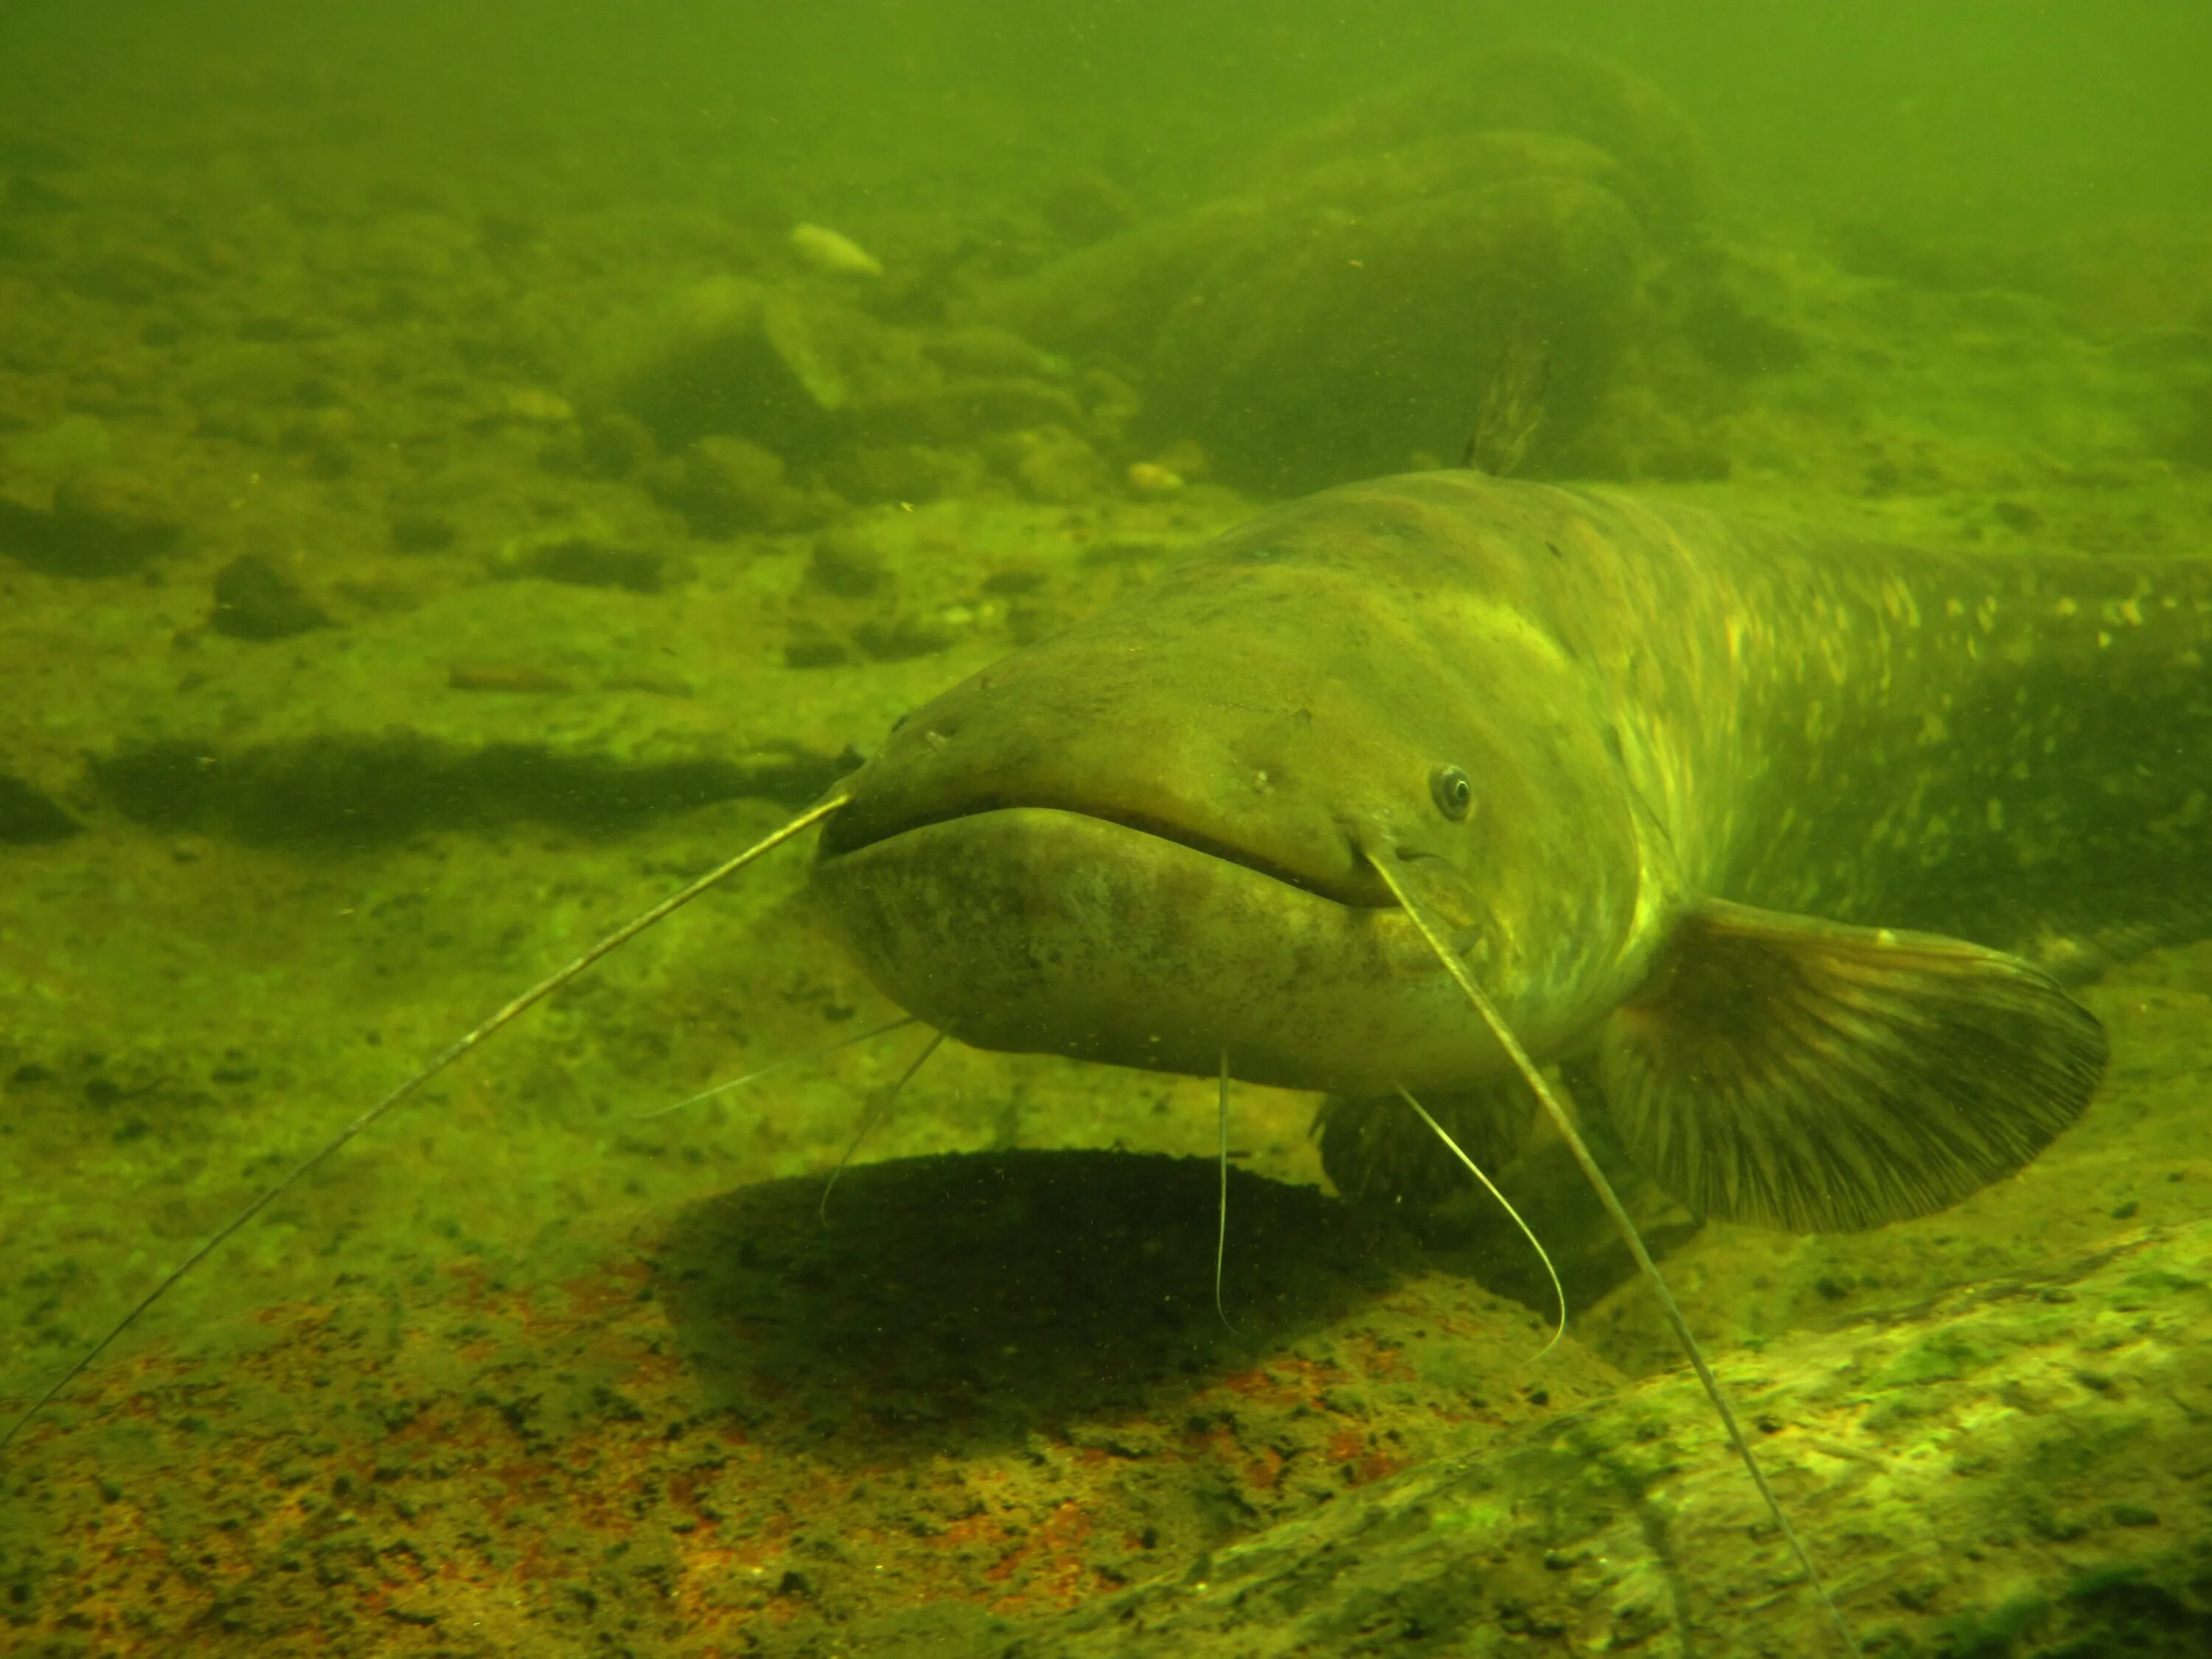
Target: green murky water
<point>463,474</point>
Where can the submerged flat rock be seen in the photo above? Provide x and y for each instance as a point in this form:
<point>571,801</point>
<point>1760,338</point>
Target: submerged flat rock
<point>2015,1467</point>
<point>987,1408</point>
<point>996,1381</point>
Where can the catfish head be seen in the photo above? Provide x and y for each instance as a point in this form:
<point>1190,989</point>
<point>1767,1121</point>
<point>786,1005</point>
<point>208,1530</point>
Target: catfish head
<point>1153,840</point>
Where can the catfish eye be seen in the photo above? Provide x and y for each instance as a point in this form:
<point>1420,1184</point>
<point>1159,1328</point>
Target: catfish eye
<point>1453,791</point>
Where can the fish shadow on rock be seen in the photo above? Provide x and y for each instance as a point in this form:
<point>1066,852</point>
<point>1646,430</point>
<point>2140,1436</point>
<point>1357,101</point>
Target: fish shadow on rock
<point>968,1302</point>
<point>1467,1234</point>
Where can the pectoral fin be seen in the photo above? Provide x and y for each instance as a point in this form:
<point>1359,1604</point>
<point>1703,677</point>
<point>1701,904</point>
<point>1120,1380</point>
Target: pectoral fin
<point>1805,1075</point>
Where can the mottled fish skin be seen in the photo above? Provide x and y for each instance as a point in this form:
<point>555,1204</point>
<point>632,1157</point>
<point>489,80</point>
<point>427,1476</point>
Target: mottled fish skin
<point>1657,706</point>
<point>2008,749</point>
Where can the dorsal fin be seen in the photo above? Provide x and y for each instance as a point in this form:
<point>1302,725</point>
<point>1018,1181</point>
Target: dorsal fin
<point>1512,407</point>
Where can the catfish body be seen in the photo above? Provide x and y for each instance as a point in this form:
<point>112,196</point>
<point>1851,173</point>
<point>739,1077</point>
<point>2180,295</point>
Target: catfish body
<point>1777,825</point>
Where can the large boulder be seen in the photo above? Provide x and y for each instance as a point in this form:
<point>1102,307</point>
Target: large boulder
<point>1343,312</point>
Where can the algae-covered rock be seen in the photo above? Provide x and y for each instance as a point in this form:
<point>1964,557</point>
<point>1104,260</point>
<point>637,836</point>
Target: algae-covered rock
<point>904,472</point>
<point>1342,314</point>
<point>722,356</point>
<point>2012,1469</point>
<point>727,485</point>
<point>1661,169</point>
<point>587,562</point>
<point>850,566</point>
<point>254,600</point>
<point>103,521</point>
<point>28,818</point>
<point>883,408</point>
<point>1370,337</point>
<point>1051,463</point>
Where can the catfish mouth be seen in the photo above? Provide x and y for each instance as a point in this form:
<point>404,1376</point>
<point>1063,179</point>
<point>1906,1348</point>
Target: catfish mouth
<point>1353,886</point>
<point>1048,929</point>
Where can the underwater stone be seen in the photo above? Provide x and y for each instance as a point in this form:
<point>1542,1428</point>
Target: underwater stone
<point>1051,463</point>
<point>723,486</point>
<point>1738,341</point>
<point>1931,1501</point>
<point>254,600</point>
<point>103,523</point>
<point>1334,326</point>
<point>1341,313</point>
<point>832,251</point>
<point>421,532</point>
<point>1663,170</point>
<point>75,443</point>
<point>902,472</point>
<point>983,353</point>
<point>1018,576</point>
<point>611,445</point>
<point>822,382</point>
<point>28,818</point>
<point>902,636</point>
<point>846,564</point>
<point>583,563</point>
<point>2190,442</point>
<point>730,357</point>
<point>810,647</point>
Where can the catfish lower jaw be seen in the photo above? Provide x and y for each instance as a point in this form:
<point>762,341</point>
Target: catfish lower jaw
<point>1037,930</point>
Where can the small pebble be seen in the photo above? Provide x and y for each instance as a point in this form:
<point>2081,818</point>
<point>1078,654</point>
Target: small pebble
<point>832,251</point>
<point>28,817</point>
<point>900,638</point>
<point>1025,577</point>
<point>845,564</point>
<point>583,563</point>
<point>103,524</point>
<point>421,532</point>
<point>535,406</point>
<point>254,600</point>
